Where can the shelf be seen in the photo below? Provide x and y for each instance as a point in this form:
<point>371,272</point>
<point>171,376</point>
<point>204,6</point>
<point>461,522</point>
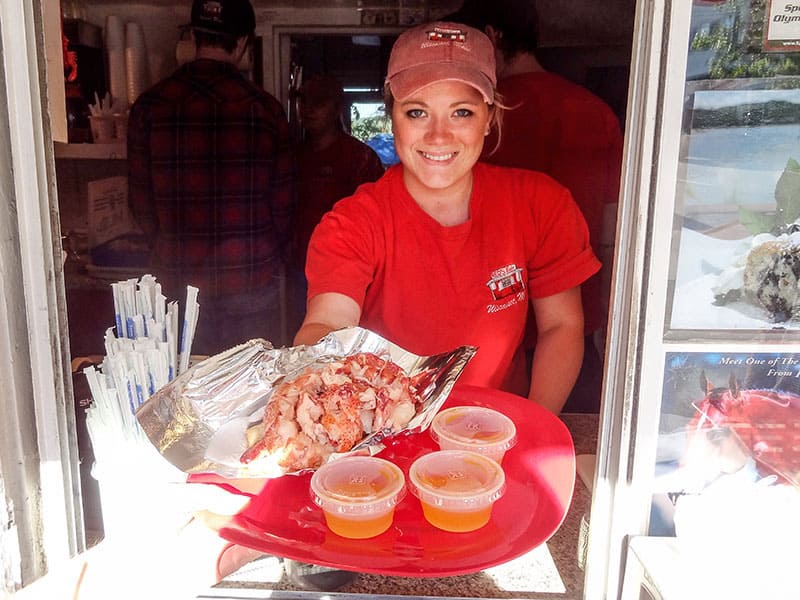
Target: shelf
<point>115,151</point>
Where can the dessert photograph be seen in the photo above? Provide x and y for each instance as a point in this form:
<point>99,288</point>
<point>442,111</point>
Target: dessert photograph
<point>737,263</point>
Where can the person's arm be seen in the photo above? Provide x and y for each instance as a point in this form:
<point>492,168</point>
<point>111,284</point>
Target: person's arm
<point>606,255</point>
<point>559,348</point>
<point>327,312</point>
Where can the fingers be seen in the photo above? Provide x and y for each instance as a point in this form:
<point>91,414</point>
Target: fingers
<point>212,520</point>
<point>192,498</point>
<point>233,557</point>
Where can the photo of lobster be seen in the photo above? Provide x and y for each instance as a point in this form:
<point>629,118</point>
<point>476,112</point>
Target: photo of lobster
<point>735,422</point>
<point>727,472</point>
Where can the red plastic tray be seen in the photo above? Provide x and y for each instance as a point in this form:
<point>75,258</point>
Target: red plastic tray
<point>540,473</point>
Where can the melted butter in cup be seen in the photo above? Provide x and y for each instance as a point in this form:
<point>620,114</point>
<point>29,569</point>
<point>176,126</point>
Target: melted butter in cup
<point>358,495</point>
<point>457,488</point>
<point>475,428</point>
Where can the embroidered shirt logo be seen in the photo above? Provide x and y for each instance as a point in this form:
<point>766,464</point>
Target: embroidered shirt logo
<point>506,281</point>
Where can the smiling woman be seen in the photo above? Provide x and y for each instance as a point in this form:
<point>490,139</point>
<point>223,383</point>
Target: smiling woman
<point>418,255</point>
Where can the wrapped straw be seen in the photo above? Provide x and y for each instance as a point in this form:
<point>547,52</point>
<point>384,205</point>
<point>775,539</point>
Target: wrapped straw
<point>140,361</point>
<point>189,325</point>
<point>140,358</point>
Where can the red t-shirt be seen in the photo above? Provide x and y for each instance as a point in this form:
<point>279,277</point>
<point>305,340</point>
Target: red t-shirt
<point>562,129</point>
<point>430,288</point>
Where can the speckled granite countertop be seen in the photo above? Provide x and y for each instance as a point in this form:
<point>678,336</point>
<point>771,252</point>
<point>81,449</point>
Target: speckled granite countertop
<point>550,571</point>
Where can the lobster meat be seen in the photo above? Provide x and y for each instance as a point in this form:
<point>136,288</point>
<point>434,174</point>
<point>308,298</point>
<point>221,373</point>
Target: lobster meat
<point>329,410</point>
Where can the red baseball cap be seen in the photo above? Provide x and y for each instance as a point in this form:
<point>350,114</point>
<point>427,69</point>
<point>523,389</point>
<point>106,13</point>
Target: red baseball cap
<point>441,51</point>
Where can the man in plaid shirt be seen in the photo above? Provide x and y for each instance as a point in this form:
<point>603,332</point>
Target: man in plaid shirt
<point>210,179</point>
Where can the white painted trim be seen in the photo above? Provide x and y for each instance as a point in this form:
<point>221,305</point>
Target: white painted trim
<point>41,291</point>
<point>612,492</point>
<point>630,413</point>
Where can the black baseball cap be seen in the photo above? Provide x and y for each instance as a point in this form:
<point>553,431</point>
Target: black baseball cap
<point>227,17</point>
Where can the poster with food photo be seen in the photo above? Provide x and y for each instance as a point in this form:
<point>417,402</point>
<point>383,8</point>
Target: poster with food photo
<point>723,411</point>
<point>727,480</point>
<point>737,255</point>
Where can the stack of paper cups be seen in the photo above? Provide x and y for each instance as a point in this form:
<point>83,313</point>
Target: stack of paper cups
<point>115,59</point>
<point>136,63</point>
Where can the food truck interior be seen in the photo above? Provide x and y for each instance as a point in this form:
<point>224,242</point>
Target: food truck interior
<point>587,42</point>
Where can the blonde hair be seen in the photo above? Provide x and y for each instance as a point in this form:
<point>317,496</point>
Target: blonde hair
<point>500,107</point>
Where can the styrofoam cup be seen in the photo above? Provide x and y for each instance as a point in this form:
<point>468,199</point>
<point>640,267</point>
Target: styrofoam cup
<point>114,33</point>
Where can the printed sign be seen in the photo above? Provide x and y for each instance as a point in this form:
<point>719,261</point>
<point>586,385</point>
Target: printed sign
<point>109,216</point>
<point>755,397</point>
<point>783,26</point>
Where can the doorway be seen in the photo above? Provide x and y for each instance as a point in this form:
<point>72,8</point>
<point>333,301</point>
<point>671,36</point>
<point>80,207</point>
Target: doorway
<point>359,61</point>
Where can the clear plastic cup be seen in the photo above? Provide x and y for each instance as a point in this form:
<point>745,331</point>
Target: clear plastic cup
<point>358,495</point>
<point>120,126</point>
<point>457,488</point>
<point>482,430</point>
<point>102,128</point>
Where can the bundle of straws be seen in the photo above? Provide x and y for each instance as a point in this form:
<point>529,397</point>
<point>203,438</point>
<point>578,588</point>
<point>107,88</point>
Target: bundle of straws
<point>144,355</point>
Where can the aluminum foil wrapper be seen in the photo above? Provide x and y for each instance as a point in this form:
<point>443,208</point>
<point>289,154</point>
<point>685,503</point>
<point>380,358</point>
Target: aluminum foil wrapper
<point>198,422</point>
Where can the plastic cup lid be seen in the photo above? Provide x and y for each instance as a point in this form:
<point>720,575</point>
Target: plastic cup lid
<point>356,485</point>
<point>457,480</point>
<point>475,426</point>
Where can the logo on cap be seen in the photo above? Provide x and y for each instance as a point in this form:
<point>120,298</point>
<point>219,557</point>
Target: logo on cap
<point>440,34</point>
<point>212,10</point>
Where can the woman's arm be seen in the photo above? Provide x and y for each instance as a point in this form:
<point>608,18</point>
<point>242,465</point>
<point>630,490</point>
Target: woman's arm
<point>327,312</point>
<point>559,348</point>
